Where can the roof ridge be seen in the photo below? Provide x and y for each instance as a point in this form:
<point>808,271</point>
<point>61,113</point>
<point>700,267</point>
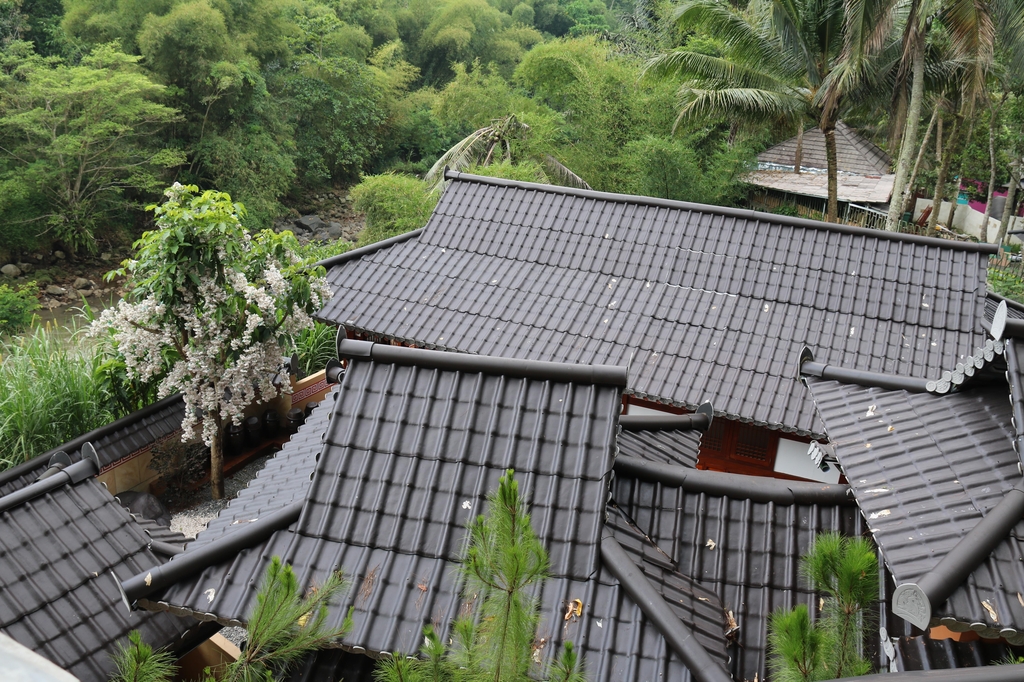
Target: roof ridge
<point>60,472</point>
<point>607,375</point>
<point>726,211</point>
<point>735,486</point>
<point>331,261</point>
<point>76,443</point>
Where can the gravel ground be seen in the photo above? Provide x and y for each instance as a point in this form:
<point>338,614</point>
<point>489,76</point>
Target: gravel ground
<point>200,509</point>
<point>234,635</point>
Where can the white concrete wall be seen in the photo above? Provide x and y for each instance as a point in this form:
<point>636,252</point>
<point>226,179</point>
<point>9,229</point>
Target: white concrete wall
<point>968,220</point>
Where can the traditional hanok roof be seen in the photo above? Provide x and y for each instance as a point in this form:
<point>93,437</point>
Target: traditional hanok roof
<point>854,153</point>
<point>740,536</point>
<point>64,544</point>
<point>938,478</point>
<point>411,445</point>
<point>720,550</point>
<point>701,302</point>
<point>113,442</point>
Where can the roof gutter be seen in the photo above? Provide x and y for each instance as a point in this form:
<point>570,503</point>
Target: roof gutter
<point>736,486</point>
<point>185,565</point>
<point>699,421</point>
<point>894,382</point>
<point>91,437</point>
<point>368,249</point>
<point>731,213</point>
<point>914,602</point>
<point>605,375</point>
<point>679,637</point>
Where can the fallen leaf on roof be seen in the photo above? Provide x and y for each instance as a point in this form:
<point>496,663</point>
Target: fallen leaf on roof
<point>733,626</point>
<point>210,594</point>
<point>149,579</point>
<point>710,544</point>
<point>991,611</point>
<point>1020,599</point>
<point>538,646</point>
<point>701,599</point>
<point>875,515</point>
<point>870,412</point>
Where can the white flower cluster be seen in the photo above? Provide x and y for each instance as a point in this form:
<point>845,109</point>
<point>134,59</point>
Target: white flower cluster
<point>222,364</point>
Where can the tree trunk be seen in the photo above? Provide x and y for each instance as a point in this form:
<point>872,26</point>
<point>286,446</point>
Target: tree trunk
<point>798,158</point>
<point>960,172</point>
<point>899,118</point>
<point>1011,200</point>
<point>940,183</point>
<point>832,214</point>
<point>917,164</point>
<point>217,461</point>
<point>993,121</point>
<point>909,145</point>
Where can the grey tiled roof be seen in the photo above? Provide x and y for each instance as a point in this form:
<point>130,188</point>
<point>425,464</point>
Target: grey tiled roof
<point>409,455</point>
<point>747,552</point>
<point>282,481</point>
<point>674,446</point>
<point>58,596</point>
<point>703,303</point>
<point>925,470</point>
<point>112,442</point>
<point>854,153</point>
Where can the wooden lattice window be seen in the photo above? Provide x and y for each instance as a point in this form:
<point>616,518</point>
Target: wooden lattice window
<point>714,438</point>
<point>752,442</point>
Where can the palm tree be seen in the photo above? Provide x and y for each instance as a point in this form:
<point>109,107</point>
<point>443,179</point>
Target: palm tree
<point>776,65</point>
<point>971,27</point>
<point>494,143</point>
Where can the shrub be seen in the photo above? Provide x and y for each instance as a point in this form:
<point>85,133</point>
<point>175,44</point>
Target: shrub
<point>394,204</point>
<point>16,307</point>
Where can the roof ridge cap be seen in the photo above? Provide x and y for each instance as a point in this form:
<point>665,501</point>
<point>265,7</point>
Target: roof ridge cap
<point>609,375</point>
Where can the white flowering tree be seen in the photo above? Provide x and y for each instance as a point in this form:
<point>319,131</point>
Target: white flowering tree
<point>211,309</point>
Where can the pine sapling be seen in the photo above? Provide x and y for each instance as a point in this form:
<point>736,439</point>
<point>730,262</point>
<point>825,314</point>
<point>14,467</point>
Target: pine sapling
<point>494,643</point>
<point>137,662</point>
<point>284,626</point>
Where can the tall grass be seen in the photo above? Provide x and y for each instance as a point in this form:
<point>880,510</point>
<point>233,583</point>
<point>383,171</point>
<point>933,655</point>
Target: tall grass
<point>49,393</point>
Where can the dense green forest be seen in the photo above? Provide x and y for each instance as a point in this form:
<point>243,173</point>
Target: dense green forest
<point>105,102</point>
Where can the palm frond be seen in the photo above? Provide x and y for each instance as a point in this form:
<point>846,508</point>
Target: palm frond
<point>749,102</point>
<point>563,174</point>
<point>744,38</point>
<point>720,70</point>
<point>460,157</point>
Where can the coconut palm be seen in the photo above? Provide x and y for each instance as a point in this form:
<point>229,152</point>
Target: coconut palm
<point>971,28</point>
<point>495,143</point>
<point>776,64</point>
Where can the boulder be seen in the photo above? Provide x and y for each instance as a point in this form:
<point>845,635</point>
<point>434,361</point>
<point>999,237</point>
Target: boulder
<point>54,290</point>
<point>83,283</point>
<point>334,230</point>
<point>310,223</point>
<point>59,255</point>
<point>26,267</point>
<point>11,270</point>
<point>106,256</point>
